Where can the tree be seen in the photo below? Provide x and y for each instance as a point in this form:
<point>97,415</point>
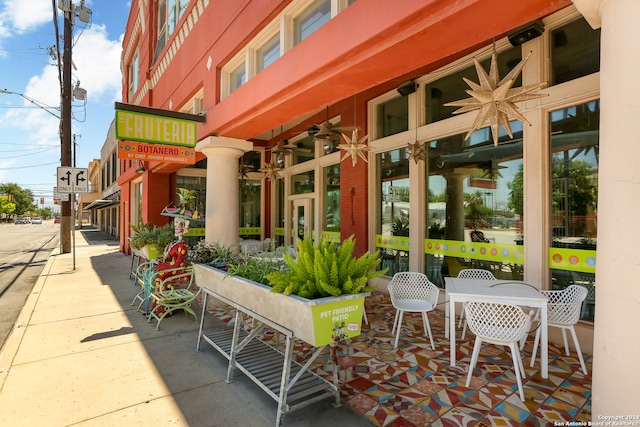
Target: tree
<point>516,198</point>
<point>574,181</point>
<point>475,209</point>
<point>44,212</point>
<point>6,207</point>
<point>22,198</point>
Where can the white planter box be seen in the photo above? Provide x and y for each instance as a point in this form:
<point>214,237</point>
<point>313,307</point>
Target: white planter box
<point>315,321</point>
<point>149,252</point>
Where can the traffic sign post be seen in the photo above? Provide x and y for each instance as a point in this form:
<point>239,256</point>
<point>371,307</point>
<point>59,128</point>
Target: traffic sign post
<point>73,180</point>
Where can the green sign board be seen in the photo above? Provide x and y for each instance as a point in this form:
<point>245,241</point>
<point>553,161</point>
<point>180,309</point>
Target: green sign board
<point>143,127</point>
<point>337,321</point>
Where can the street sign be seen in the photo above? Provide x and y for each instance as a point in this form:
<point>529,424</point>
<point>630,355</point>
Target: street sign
<point>73,180</point>
<point>59,197</point>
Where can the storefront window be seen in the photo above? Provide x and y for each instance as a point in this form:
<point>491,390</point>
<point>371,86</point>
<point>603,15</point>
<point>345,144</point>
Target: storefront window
<point>250,192</point>
<point>575,51</point>
<point>331,198</point>
<point>303,183</point>
<point>199,185</point>
<point>136,204</point>
<point>474,205</point>
<point>305,151</point>
<point>574,199</point>
<point>452,87</point>
<point>392,117</point>
<point>392,224</point>
<point>250,162</point>
<point>279,211</point>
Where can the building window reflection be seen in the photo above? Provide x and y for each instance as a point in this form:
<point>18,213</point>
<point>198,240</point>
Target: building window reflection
<point>392,224</point>
<point>474,205</point>
<point>331,199</point>
<point>574,198</point>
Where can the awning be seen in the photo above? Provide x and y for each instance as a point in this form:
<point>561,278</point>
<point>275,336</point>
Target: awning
<point>101,204</point>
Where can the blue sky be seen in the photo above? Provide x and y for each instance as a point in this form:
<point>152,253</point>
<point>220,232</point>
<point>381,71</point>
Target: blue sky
<point>29,139</point>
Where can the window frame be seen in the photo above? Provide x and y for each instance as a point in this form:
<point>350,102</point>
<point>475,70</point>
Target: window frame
<point>163,34</point>
<point>133,76</point>
<point>535,151</point>
<point>283,25</point>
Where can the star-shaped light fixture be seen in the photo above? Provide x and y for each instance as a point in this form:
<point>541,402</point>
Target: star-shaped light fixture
<point>271,170</point>
<point>496,98</point>
<point>354,147</point>
<point>417,151</point>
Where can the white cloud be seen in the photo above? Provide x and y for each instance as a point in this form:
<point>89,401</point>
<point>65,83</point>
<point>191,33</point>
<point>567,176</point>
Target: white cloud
<point>27,14</point>
<point>98,61</point>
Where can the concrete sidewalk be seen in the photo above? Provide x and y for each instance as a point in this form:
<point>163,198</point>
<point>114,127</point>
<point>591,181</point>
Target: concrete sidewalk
<point>80,354</point>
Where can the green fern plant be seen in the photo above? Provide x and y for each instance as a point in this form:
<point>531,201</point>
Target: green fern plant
<point>326,269</point>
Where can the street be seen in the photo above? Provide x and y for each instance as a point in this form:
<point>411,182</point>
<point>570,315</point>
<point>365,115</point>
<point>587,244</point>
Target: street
<point>23,254</point>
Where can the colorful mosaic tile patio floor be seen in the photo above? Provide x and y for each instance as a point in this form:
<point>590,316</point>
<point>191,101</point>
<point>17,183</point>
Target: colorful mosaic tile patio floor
<point>415,386</point>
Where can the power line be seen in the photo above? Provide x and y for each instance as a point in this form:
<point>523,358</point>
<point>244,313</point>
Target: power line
<point>31,166</point>
<point>42,150</point>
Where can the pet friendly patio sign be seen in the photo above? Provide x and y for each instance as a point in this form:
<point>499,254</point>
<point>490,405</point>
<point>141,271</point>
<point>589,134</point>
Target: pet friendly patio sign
<point>337,321</point>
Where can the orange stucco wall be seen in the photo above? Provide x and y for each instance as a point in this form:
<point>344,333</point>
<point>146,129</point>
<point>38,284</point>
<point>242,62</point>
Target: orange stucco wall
<point>369,48</point>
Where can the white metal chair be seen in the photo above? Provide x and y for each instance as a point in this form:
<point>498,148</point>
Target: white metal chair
<point>500,324</point>
<point>412,292</point>
<point>472,273</point>
<point>563,312</point>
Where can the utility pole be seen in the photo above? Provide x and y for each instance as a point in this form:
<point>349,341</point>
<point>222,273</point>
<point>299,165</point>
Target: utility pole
<point>65,137</point>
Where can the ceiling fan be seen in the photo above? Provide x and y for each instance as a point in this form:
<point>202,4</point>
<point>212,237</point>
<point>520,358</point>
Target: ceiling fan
<point>285,147</point>
<point>244,170</point>
<point>327,130</point>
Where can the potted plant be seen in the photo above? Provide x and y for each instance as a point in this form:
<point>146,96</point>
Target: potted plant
<point>400,226</point>
<point>325,269</point>
<point>185,208</point>
<point>151,239</point>
<point>213,254</point>
<point>334,279</point>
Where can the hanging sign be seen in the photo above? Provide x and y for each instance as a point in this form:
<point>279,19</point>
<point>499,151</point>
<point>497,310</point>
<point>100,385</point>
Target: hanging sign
<point>153,152</point>
<point>156,126</point>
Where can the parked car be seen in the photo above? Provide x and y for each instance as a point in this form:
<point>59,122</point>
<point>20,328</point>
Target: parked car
<point>36,220</point>
<point>22,220</point>
<point>56,220</point>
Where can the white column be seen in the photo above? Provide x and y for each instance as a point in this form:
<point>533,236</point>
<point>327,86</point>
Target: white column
<point>616,373</point>
<point>223,196</point>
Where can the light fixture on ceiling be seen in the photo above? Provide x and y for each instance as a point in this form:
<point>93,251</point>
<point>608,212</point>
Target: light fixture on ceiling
<point>407,88</point>
<point>526,32</point>
<point>328,146</point>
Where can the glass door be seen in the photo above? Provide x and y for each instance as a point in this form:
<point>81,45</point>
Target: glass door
<point>301,218</point>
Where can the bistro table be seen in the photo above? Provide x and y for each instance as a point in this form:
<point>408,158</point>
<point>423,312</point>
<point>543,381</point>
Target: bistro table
<point>501,291</point>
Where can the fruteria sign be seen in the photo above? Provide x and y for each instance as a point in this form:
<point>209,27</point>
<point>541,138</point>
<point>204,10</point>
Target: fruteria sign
<point>154,152</point>
<point>141,127</point>
<point>155,126</point>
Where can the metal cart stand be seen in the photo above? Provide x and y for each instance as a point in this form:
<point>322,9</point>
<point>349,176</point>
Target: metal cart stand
<point>267,366</point>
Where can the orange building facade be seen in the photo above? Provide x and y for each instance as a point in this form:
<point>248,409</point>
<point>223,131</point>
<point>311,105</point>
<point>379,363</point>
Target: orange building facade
<point>435,189</point>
